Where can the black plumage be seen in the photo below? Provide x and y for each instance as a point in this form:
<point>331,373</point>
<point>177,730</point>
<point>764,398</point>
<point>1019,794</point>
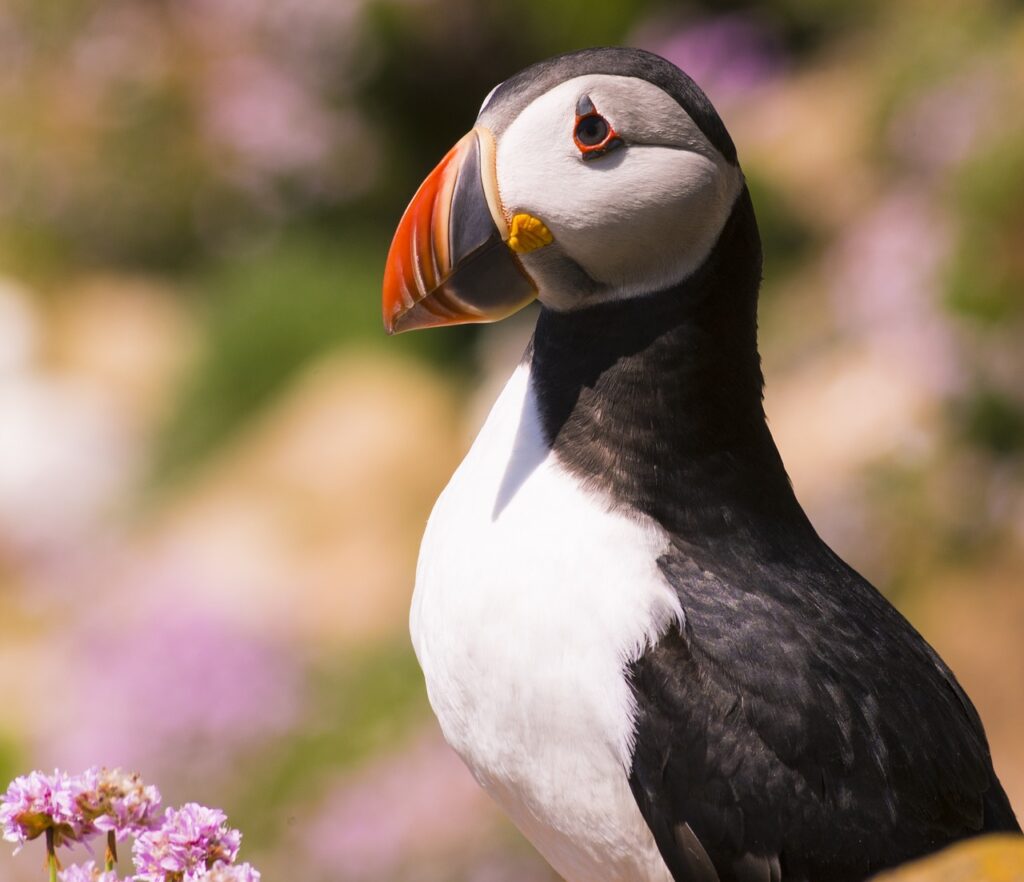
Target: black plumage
<point>798,727</point>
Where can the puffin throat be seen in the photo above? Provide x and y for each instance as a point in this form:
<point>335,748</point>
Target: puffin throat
<point>657,400</point>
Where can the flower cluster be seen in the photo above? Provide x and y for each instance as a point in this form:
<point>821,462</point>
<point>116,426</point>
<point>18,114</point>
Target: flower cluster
<point>77,807</point>
<point>87,872</point>
<point>116,802</point>
<point>38,803</point>
<point>227,873</point>
<point>190,844</point>
<point>190,841</point>
<point>220,872</point>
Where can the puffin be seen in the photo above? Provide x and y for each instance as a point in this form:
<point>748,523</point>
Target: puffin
<point>628,628</point>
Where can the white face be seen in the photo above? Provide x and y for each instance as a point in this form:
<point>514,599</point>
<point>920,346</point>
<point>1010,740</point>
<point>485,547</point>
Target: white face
<point>635,220</point>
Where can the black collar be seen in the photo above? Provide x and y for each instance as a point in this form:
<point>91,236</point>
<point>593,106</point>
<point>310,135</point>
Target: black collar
<point>657,400</point>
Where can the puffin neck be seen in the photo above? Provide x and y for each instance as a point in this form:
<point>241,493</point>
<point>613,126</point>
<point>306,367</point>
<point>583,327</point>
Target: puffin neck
<point>657,400</point>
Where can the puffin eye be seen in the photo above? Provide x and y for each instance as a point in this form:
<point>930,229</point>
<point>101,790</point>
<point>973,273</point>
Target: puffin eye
<point>593,134</point>
<point>591,130</point>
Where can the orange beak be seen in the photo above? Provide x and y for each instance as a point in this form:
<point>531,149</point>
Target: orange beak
<point>450,260</point>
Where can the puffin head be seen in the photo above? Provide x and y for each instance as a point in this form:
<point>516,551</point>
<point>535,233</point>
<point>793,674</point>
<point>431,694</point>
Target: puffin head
<point>600,175</point>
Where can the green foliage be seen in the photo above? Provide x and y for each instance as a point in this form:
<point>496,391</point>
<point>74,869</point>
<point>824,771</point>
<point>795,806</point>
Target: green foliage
<point>807,25</point>
<point>12,759</point>
<point>267,315</point>
<point>992,421</point>
<point>574,24</point>
<point>986,280</point>
<point>362,705</point>
<point>914,50</point>
<point>150,182</point>
<point>786,238</point>
<point>442,60</point>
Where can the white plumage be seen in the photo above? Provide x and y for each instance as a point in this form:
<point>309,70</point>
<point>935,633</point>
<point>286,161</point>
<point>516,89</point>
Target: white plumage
<point>531,597</point>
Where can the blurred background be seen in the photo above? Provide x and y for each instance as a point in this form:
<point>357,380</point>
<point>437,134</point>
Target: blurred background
<point>215,469</point>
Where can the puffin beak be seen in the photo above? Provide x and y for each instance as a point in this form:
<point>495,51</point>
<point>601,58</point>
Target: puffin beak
<point>454,258</point>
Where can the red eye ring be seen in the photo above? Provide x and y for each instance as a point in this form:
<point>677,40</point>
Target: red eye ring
<point>592,133</point>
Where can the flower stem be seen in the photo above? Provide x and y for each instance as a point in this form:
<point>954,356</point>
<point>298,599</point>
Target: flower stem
<point>51,855</point>
<point>111,856</point>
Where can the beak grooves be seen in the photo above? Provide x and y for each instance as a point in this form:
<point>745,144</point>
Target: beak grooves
<point>450,260</point>
<point>419,258</point>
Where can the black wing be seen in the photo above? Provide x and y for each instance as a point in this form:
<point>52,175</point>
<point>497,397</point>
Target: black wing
<point>799,728</point>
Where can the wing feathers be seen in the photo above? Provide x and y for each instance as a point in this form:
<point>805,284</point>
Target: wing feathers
<point>801,730</point>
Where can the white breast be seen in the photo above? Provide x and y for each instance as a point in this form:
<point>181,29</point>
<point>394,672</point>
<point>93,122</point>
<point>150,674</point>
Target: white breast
<point>531,597</point>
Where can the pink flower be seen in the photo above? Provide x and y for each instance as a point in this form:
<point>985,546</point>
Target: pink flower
<point>886,286</point>
<point>191,840</point>
<point>116,801</point>
<point>36,802</point>
<point>227,873</point>
<point>265,116</point>
<point>220,690</point>
<point>191,844</point>
<point>87,872</point>
<point>726,55</point>
<point>941,127</point>
<point>417,804</point>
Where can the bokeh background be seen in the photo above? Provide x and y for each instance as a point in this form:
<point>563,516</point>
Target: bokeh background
<point>215,468</point>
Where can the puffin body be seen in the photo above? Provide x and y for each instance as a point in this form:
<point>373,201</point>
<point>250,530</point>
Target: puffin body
<point>629,630</point>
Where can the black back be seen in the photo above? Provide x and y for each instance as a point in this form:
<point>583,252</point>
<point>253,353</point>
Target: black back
<point>798,727</point>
